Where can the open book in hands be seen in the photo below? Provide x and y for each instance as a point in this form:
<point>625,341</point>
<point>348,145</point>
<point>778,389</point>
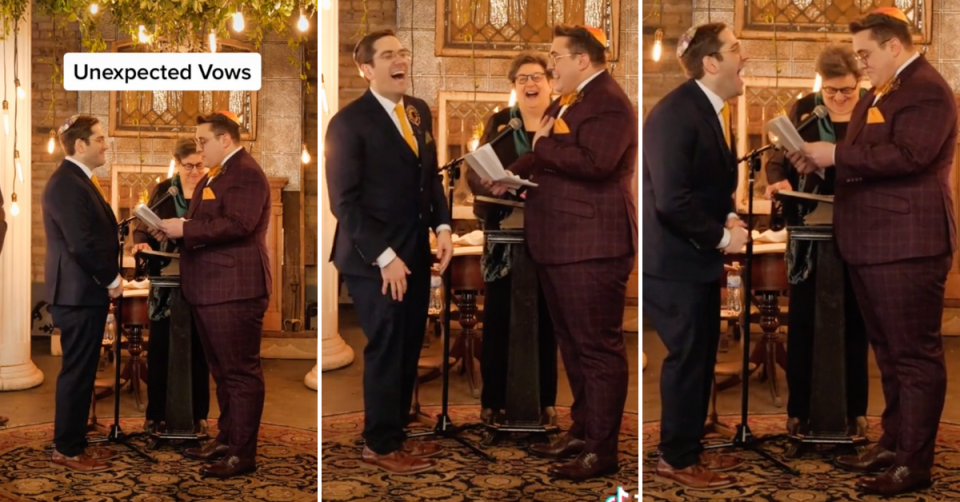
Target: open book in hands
<point>486,164</point>
<point>147,216</point>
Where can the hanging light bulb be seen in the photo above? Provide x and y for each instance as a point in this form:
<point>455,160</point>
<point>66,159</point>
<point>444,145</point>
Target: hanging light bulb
<point>6,117</point>
<point>142,35</point>
<point>213,42</point>
<point>513,97</point>
<point>238,21</point>
<point>16,161</point>
<point>94,8</point>
<point>173,166</point>
<point>817,83</point>
<point>305,155</point>
<point>326,4</point>
<point>14,209</point>
<point>20,93</point>
<point>52,143</point>
<point>303,24</point>
<point>658,45</point>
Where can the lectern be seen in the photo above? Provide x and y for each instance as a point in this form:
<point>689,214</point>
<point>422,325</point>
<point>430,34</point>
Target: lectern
<point>522,406</point>
<point>179,424</point>
<point>828,390</point>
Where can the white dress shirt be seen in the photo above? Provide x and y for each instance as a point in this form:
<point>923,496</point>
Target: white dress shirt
<point>387,256</point>
<point>718,103</point>
<point>89,173</point>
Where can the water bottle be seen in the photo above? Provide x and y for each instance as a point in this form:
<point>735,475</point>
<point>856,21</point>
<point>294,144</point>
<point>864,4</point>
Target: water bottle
<point>110,330</point>
<point>436,293</point>
<point>734,291</point>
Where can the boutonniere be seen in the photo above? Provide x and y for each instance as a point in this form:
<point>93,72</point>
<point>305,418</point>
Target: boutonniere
<point>887,89</point>
<point>413,115</point>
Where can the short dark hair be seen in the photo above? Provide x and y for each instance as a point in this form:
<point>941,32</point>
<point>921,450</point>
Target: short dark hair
<point>82,129</point>
<point>221,124</point>
<point>581,41</point>
<point>363,53</point>
<point>837,61</point>
<point>527,58</point>
<point>882,28</point>
<point>705,42</point>
<point>185,148</point>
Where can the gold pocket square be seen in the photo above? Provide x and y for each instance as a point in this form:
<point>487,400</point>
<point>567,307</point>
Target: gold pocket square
<point>874,116</point>
<point>208,194</point>
<point>428,138</point>
<point>561,127</point>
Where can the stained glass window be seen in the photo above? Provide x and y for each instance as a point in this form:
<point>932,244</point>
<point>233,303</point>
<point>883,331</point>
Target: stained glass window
<point>795,19</point>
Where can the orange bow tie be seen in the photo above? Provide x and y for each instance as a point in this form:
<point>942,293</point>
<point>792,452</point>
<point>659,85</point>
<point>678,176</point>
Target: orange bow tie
<point>567,98</point>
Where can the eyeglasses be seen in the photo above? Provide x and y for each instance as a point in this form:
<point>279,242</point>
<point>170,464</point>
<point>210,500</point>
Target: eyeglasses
<point>555,56</point>
<point>203,141</point>
<point>390,55</point>
<point>536,77</point>
<point>863,56</point>
<point>733,50</point>
<point>832,91</point>
<point>191,167</point>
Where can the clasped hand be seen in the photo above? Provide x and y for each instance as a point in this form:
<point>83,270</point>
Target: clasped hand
<point>812,157</point>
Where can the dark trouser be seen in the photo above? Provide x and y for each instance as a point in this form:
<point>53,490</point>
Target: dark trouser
<point>803,301</point>
<point>394,332</point>
<point>81,335</point>
<point>158,358</point>
<point>902,305</point>
<point>496,346</point>
<point>687,318</point>
<point>586,302</point>
<point>230,334</point>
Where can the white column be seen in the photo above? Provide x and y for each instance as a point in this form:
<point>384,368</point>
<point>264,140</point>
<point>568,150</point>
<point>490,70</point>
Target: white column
<point>17,370</point>
<point>335,353</point>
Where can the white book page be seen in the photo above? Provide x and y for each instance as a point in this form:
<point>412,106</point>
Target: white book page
<point>147,216</point>
<point>786,134</point>
<point>486,164</point>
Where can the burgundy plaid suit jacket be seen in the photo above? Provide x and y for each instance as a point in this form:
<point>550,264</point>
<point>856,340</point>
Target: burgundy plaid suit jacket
<point>583,208</point>
<point>224,256</point>
<point>893,199</point>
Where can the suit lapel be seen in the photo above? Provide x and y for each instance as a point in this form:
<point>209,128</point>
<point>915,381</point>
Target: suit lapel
<point>77,170</point>
<point>384,122</point>
<point>859,117</point>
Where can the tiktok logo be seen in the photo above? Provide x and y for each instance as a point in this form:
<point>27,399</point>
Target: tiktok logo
<point>621,496</point>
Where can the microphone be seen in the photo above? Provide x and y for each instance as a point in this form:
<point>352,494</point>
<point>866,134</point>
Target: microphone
<point>818,113</point>
<point>514,124</point>
<point>172,192</point>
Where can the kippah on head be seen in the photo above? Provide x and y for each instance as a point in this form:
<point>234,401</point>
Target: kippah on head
<point>684,43</point>
<point>893,12</point>
<point>230,115</point>
<point>67,123</point>
<point>597,34</point>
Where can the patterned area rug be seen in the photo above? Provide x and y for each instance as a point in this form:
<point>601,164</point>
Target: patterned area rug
<point>819,479</point>
<point>287,471</point>
<point>461,474</point>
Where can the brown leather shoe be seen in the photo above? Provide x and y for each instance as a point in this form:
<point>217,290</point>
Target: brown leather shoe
<point>397,462</point>
<point>877,459</point>
<point>229,467</point>
<point>566,446</point>
<point>421,449</point>
<point>79,463</point>
<point>718,462</point>
<point>896,480</point>
<point>101,452</point>
<point>585,466</point>
<point>695,477</point>
<point>210,452</point>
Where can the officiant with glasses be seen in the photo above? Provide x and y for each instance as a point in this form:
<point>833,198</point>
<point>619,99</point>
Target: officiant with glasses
<point>190,171</point>
<point>530,79</point>
<point>840,91</point>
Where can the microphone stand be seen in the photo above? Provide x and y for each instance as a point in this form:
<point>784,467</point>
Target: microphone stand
<point>445,427</point>
<point>744,438</point>
<point>116,435</point>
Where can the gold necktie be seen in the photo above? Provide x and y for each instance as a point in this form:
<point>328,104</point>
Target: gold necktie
<point>407,132</point>
<point>725,113</point>
<point>97,184</point>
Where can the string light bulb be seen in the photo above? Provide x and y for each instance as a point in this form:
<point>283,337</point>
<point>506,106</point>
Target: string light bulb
<point>326,4</point>
<point>94,8</point>
<point>14,209</point>
<point>173,166</point>
<point>513,98</point>
<point>817,83</point>
<point>16,161</point>
<point>305,155</point>
<point>238,21</point>
<point>52,143</point>
<point>303,24</point>
<point>6,117</point>
<point>658,45</point>
<point>142,35</point>
<point>213,42</point>
<point>20,93</point>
